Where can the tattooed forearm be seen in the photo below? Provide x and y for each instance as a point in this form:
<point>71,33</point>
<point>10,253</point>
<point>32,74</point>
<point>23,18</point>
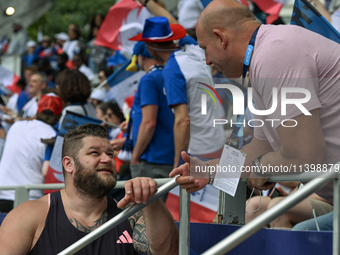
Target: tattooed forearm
<point>134,218</point>
<point>140,242</point>
<point>87,229</point>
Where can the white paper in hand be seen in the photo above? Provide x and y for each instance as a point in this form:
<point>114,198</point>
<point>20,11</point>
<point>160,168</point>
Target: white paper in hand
<point>229,170</point>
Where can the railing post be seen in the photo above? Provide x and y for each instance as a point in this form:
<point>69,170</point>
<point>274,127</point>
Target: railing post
<point>21,195</point>
<point>221,205</point>
<point>235,207</point>
<point>184,222</point>
<point>336,211</point>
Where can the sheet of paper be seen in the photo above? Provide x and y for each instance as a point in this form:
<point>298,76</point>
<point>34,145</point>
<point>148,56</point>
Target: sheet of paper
<point>229,170</point>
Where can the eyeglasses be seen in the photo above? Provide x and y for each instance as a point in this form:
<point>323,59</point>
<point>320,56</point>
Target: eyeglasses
<point>101,77</point>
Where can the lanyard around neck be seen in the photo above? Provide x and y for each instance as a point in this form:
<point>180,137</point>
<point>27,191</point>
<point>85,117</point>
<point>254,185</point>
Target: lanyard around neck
<point>238,128</point>
<point>248,54</point>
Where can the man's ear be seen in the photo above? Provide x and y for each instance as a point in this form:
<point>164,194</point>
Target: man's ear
<point>68,164</point>
<point>222,37</point>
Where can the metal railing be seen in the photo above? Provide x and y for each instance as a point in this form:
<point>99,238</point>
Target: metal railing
<point>317,182</point>
<point>117,220</point>
<point>22,195</point>
<point>22,191</point>
<point>229,242</point>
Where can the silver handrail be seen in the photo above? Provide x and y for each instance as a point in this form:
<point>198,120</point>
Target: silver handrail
<point>117,220</point>
<point>22,191</point>
<point>262,220</point>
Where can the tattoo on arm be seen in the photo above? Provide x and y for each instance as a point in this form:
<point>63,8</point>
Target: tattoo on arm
<point>134,218</point>
<point>140,242</point>
<point>87,229</point>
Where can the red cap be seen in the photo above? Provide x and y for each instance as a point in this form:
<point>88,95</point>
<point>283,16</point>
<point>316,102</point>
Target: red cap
<point>50,102</point>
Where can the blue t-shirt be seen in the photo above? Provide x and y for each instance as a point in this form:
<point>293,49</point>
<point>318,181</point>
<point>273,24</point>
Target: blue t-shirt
<point>175,82</point>
<point>22,100</point>
<point>151,91</point>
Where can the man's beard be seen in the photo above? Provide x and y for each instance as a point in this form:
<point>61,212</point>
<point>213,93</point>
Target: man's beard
<point>89,183</point>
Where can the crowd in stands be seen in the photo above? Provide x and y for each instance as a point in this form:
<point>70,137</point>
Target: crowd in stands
<point>61,74</point>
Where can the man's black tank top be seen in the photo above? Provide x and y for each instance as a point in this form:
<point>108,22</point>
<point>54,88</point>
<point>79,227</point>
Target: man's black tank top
<point>59,233</point>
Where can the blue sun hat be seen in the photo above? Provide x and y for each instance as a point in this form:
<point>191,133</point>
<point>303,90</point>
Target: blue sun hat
<point>158,29</point>
<point>139,49</point>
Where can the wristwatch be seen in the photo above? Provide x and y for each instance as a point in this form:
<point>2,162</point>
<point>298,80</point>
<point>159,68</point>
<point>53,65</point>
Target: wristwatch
<point>257,167</point>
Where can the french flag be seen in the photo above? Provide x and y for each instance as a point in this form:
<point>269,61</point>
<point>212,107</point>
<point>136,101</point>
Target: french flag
<point>124,20</point>
<point>3,44</point>
<point>8,80</point>
<point>46,53</point>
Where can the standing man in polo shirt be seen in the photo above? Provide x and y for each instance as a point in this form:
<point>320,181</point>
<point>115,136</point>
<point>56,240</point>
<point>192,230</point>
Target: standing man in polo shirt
<point>184,72</point>
<point>152,121</point>
<point>24,152</point>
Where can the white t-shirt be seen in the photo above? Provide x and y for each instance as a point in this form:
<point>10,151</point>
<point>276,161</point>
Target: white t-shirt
<point>30,108</point>
<point>71,48</point>
<point>183,74</point>
<point>23,156</point>
<point>189,12</point>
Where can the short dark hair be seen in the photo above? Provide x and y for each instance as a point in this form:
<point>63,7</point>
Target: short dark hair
<point>21,83</point>
<point>73,139</point>
<point>74,87</point>
<point>48,118</point>
<point>107,71</point>
<point>163,44</point>
<point>103,107</point>
<point>116,110</point>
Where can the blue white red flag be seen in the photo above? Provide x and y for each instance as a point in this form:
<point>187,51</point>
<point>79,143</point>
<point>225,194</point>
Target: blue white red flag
<point>124,20</point>
<point>8,81</point>
<point>3,44</point>
<point>124,83</point>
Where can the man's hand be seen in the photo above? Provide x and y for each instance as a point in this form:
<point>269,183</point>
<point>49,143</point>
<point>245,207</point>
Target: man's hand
<point>118,144</point>
<point>123,126</point>
<point>138,190</point>
<point>190,178</point>
<point>260,183</point>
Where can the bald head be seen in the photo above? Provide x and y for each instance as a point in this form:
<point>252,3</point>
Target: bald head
<point>226,15</point>
<point>223,31</point>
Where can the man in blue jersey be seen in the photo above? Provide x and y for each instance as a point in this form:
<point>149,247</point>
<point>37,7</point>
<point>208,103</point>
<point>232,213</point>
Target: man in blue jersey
<point>184,73</point>
<point>152,121</point>
<point>52,223</point>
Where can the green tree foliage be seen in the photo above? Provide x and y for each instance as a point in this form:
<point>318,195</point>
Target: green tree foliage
<point>64,12</point>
